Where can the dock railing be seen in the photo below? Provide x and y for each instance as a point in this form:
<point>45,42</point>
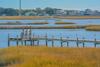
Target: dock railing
<point>27,36</point>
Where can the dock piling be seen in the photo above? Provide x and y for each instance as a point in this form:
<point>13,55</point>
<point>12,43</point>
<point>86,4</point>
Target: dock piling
<point>17,42</point>
<point>95,44</point>
<point>83,42</point>
<point>46,38</point>
<point>52,41</point>
<point>77,42</point>
<point>33,40</point>
<point>8,40</point>
<point>67,42</point>
<point>38,42</point>
<point>61,41</point>
<point>25,42</point>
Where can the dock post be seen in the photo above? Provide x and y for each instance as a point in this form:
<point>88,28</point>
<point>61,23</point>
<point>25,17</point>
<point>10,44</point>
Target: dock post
<point>21,35</point>
<point>30,41</point>
<point>95,43</point>
<point>8,40</point>
<point>30,33</point>
<point>17,42</point>
<point>52,41</point>
<point>25,42</point>
<point>67,42</point>
<point>61,41</point>
<point>26,33</point>
<point>25,36</point>
<point>77,42</point>
<point>83,42</point>
<point>38,41</point>
<point>33,40</point>
<point>30,36</point>
<point>46,40</point>
<point>22,42</point>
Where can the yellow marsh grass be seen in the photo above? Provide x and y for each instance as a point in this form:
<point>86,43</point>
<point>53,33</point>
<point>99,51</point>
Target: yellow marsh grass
<point>43,17</point>
<point>20,23</point>
<point>39,23</point>
<point>64,23</point>
<point>50,57</point>
<point>42,27</point>
<point>22,17</point>
<point>77,17</point>
<point>93,27</point>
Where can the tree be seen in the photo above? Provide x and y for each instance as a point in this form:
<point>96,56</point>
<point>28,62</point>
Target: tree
<point>10,12</point>
<point>1,11</point>
<point>49,11</point>
<point>88,12</point>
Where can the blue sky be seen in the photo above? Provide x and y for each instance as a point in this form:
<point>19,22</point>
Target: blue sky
<point>64,4</point>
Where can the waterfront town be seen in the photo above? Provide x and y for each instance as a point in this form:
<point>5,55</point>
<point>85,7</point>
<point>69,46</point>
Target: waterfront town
<point>48,11</point>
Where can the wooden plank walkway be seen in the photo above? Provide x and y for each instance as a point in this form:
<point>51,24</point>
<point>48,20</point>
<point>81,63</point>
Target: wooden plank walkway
<point>27,35</point>
<point>56,39</point>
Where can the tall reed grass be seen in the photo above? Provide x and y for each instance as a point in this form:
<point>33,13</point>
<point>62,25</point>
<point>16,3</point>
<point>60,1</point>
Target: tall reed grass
<point>49,57</point>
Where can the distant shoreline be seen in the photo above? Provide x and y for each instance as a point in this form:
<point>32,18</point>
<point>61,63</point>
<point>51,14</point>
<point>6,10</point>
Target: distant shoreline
<point>46,17</point>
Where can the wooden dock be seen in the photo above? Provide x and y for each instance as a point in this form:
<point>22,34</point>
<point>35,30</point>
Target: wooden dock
<point>27,36</point>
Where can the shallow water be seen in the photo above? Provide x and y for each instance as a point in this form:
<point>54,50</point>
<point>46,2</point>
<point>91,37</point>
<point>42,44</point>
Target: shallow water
<point>52,21</point>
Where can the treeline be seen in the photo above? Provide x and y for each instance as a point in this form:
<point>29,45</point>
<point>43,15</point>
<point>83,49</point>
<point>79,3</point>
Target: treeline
<point>47,12</point>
